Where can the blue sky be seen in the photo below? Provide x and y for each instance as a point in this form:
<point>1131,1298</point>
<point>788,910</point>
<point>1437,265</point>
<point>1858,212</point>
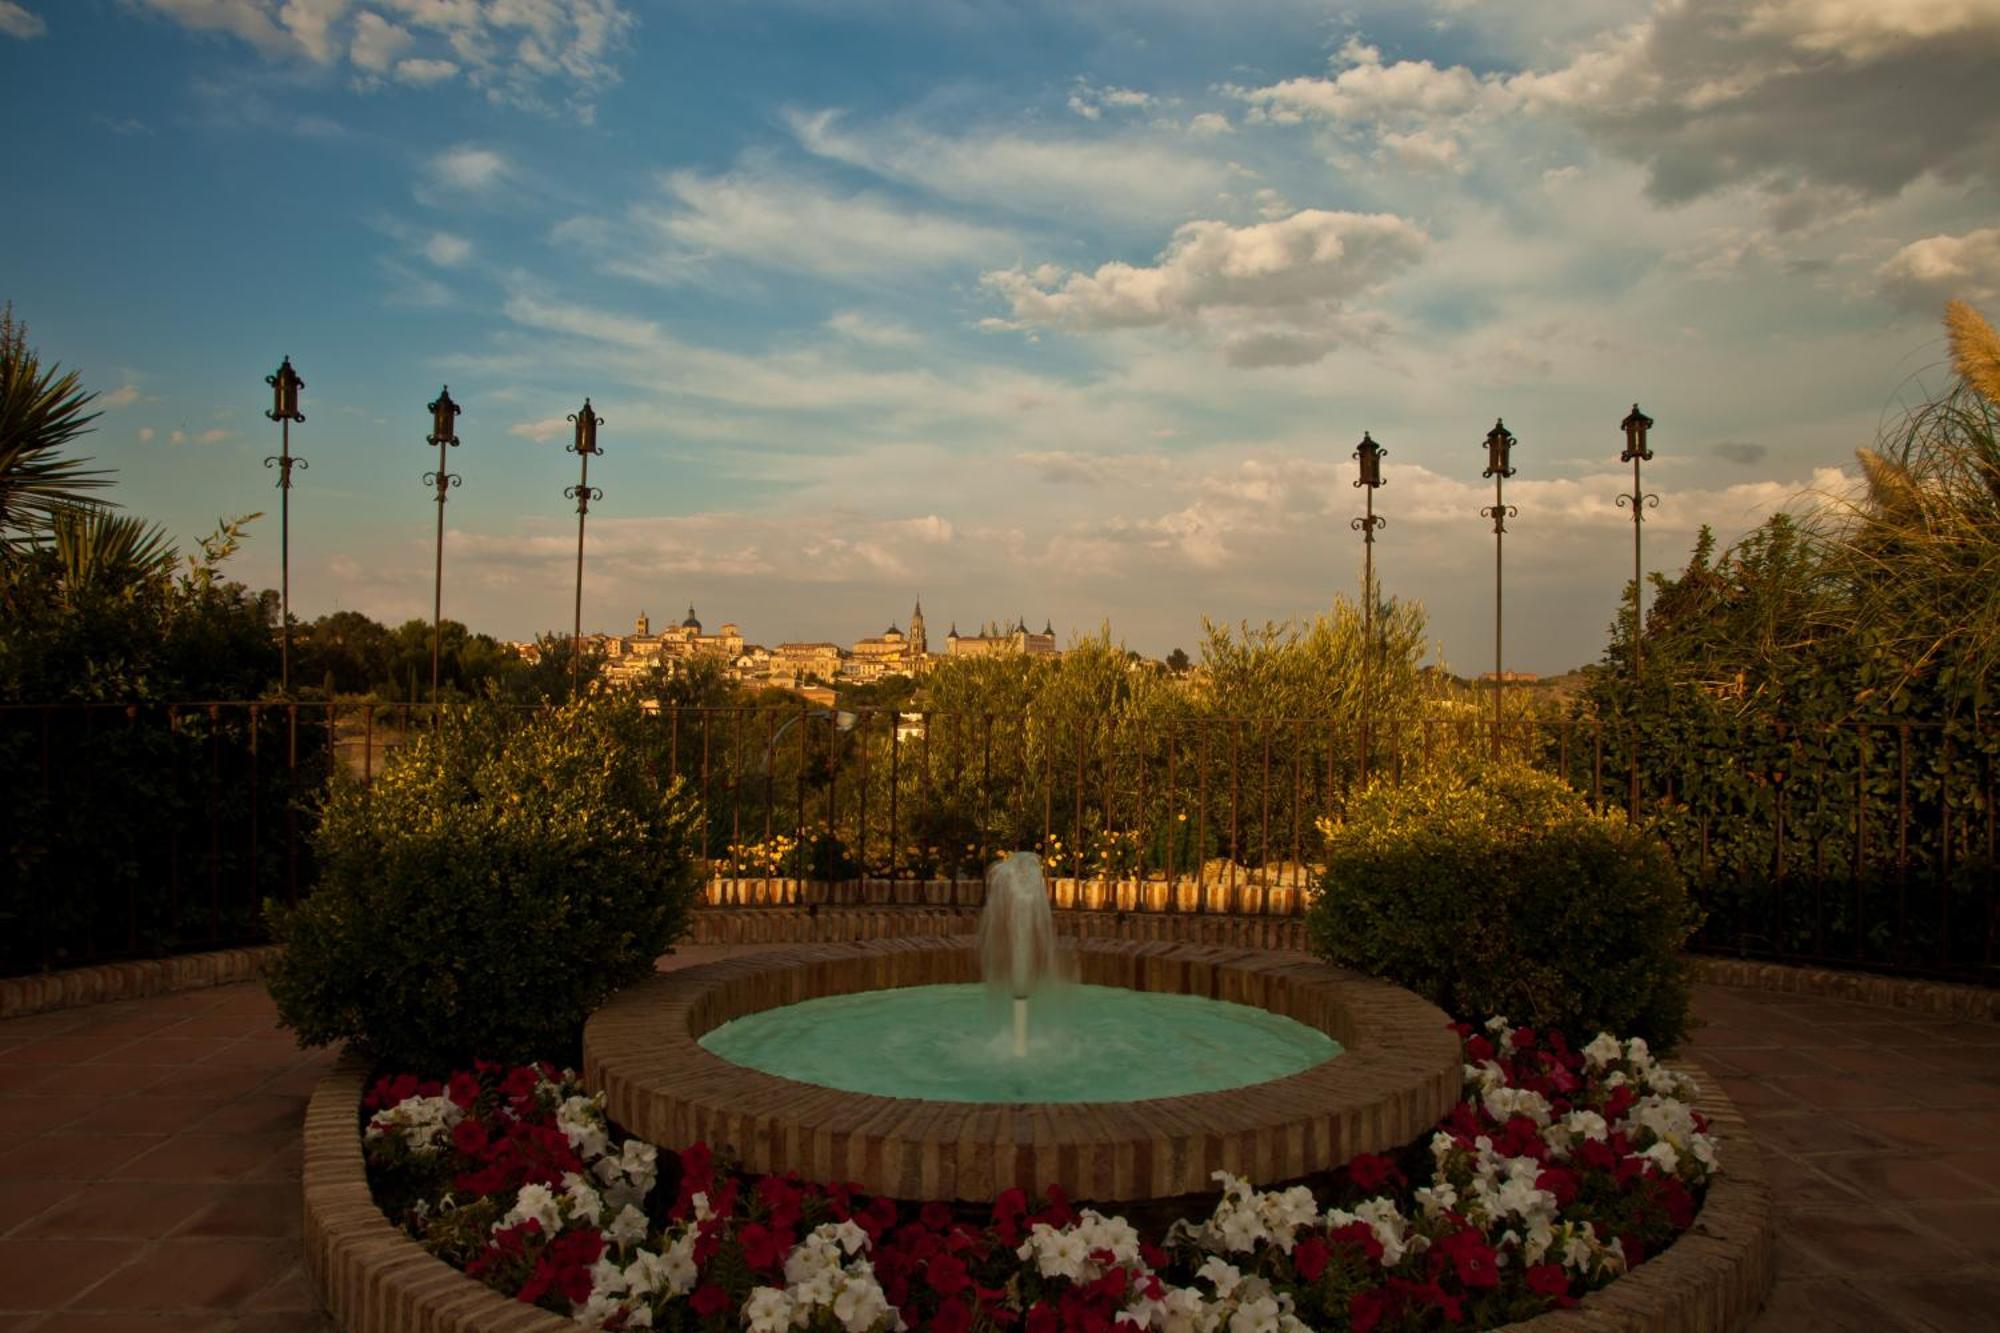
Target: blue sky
<point>1061,310</point>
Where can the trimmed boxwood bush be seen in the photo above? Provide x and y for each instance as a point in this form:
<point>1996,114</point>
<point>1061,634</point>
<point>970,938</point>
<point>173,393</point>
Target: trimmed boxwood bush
<point>1494,889</point>
<point>501,878</point>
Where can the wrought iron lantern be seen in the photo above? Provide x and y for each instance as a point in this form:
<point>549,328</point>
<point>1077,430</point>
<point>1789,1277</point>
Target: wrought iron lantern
<point>1635,425</point>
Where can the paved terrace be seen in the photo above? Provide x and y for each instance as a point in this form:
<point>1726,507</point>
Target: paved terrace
<point>149,1162</point>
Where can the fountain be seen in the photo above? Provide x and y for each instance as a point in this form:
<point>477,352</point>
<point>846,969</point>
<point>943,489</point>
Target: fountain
<point>960,1066</point>
<point>1017,939</point>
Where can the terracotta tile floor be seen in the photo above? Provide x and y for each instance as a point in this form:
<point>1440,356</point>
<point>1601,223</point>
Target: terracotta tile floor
<point>179,1209</point>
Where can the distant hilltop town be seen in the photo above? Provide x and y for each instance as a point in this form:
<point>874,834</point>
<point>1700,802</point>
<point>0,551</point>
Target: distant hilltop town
<point>632,658</point>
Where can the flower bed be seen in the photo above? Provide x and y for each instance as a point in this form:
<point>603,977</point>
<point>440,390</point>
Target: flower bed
<point>1558,1171</point>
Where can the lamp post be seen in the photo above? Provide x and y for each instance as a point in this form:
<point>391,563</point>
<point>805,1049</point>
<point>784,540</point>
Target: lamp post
<point>1369,454</point>
<point>285,385</point>
<point>583,493</point>
<point>1635,426</point>
<point>444,434</point>
<point>1499,450</point>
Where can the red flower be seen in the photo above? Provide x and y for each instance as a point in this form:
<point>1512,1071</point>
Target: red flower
<point>1309,1257</point>
<point>463,1089</point>
<point>1551,1281</point>
<point>1154,1256</point>
<point>1042,1318</point>
<point>762,1247</point>
<point>1678,1202</point>
<point>1370,1171</point>
<point>1523,1038</point>
<point>708,1299</point>
<point>1471,1258</point>
<point>1368,1307</point>
<point>936,1216</point>
<point>1594,1155</point>
<point>952,1317</point>
<point>1361,1236</point>
<point>469,1136</point>
<point>1478,1049</point>
<point>877,1217</point>
<point>946,1275</point>
<point>1559,1181</point>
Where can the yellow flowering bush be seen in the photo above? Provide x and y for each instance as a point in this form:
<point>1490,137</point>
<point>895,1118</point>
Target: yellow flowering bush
<point>1493,888</point>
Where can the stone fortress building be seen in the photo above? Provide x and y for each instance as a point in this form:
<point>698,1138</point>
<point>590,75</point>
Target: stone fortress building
<point>631,659</point>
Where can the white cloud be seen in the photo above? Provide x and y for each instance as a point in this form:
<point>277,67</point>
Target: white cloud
<point>872,330</point>
<point>788,223</point>
<point>1209,124</point>
<point>1925,274</point>
<point>214,435</point>
<point>446,250</point>
<point>377,42</point>
<point>146,434</point>
<point>20,22</point>
<point>1131,178</point>
<point>1090,102</point>
<point>469,168</point>
<point>1421,150</point>
<point>177,437</point>
<point>123,396</point>
<point>1279,287</point>
<point>423,73</point>
<point>512,50</point>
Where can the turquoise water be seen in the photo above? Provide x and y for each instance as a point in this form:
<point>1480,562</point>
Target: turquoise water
<point>951,1044</point>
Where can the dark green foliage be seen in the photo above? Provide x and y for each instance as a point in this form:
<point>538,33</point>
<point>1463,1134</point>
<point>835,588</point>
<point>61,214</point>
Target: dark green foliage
<point>1493,889</point>
<point>500,879</point>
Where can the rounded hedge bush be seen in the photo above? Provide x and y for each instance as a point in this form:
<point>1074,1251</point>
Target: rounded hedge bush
<point>1493,889</point>
<point>504,874</point>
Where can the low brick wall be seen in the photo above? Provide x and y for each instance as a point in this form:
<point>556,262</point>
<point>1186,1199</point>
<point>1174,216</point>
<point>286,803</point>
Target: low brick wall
<point>1979,1003</point>
<point>42,992</point>
<point>374,1279</point>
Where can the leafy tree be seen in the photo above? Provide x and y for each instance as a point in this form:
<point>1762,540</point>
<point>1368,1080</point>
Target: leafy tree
<point>1177,661</point>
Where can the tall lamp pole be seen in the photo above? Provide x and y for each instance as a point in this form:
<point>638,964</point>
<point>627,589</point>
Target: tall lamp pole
<point>285,385</point>
<point>1635,426</point>
<point>444,434</point>
<point>1369,454</point>
<point>583,493</point>
<point>1499,449</point>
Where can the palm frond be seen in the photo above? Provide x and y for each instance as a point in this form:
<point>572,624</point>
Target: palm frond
<point>41,414</point>
<point>111,553</point>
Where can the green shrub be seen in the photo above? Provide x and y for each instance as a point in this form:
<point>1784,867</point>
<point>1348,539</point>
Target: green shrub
<point>1493,889</point>
<point>500,879</point>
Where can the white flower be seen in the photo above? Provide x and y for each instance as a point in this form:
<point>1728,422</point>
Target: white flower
<point>767,1311</point>
<point>584,1203</point>
<point>581,1120</point>
<point>1588,1124</point>
<point>859,1305</point>
<point>1258,1316</point>
<point>1221,1275</point>
<point>1662,1155</point>
<point>1603,1049</point>
<point>628,1228</point>
<point>424,1124</point>
<point>534,1203</point>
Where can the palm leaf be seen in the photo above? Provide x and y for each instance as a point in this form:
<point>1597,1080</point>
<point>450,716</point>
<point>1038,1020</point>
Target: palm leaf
<point>41,414</point>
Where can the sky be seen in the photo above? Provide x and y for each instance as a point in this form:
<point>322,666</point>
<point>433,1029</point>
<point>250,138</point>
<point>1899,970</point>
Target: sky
<point>1067,311</point>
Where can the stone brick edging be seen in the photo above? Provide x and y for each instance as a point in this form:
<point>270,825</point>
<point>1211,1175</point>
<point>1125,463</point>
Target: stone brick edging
<point>374,1279</point>
<point>1978,1003</point>
<point>370,1276</point>
<point>1396,1076</point>
<point>1714,1278</point>
<point>102,983</point>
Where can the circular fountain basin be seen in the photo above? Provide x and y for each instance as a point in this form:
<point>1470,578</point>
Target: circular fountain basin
<point>1086,1044</point>
<point>1396,1075</point>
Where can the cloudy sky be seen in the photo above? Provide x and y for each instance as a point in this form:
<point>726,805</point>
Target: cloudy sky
<point>1069,311</point>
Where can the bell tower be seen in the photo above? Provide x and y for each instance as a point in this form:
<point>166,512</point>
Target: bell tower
<point>919,646</point>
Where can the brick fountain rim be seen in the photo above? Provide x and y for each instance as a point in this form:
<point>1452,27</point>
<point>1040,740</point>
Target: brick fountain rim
<point>1398,1074</point>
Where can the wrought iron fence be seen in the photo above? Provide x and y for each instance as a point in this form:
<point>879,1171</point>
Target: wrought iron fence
<point>156,828</point>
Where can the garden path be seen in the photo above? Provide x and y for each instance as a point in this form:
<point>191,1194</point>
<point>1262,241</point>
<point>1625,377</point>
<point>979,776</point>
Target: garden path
<point>149,1162</point>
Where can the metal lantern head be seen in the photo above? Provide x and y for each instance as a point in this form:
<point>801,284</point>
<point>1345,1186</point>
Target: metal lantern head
<point>1370,455</point>
<point>1636,425</point>
<point>1499,445</point>
<point>444,418</point>
<point>285,385</point>
<point>587,423</point>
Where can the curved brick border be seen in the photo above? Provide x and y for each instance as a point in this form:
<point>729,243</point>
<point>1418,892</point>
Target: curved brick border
<point>1978,1003</point>
<point>76,987</point>
<point>1397,1076</point>
<point>374,1279</point>
<point>369,1275</point>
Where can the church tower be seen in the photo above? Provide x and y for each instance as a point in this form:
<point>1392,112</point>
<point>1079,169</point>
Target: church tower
<point>919,645</point>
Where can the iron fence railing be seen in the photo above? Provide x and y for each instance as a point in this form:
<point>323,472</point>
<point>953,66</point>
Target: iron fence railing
<point>162,827</point>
